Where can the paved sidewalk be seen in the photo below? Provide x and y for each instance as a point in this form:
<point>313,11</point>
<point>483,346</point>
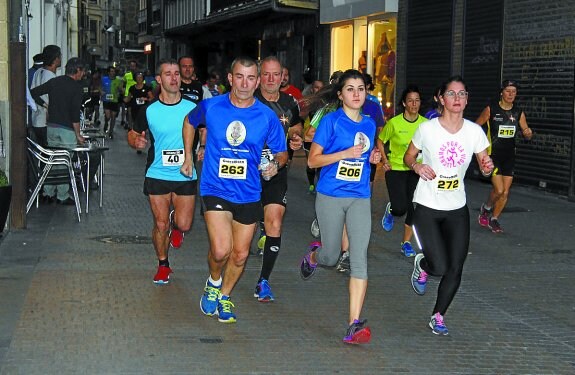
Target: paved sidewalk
<point>78,298</point>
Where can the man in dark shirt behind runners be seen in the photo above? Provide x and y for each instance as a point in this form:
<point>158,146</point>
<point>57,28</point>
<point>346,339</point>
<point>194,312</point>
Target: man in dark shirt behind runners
<point>274,191</point>
<point>65,102</point>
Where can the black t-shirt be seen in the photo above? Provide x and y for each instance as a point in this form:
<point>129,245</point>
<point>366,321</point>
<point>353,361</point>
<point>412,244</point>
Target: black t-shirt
<point>286,108</point>
<point>137,95</point>
<point>65,96</point>
<point>192,90</point>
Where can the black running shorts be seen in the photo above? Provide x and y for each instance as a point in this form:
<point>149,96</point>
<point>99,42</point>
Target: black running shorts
<point>243,213</point>
<point>154,186</point>
<point>275,190</point>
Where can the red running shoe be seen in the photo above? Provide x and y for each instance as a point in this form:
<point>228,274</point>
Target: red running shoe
<point>176,235</point>
<point>163,275</point>
<point>358,333</point>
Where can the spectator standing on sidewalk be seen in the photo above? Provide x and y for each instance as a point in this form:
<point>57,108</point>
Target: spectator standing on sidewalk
<point>504,120</point>
<point>172,195</point>
<point>343,147</point>
<point>441,217</point>
<point>274,190</point>
<point>52,59</point>
<point>238,126</point>
<point>399,178</point>
<point>63,127</point>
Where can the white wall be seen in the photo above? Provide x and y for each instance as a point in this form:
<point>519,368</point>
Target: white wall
<point>53,22</point>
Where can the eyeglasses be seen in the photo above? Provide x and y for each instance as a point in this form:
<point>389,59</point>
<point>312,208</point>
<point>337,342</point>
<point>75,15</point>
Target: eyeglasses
<point>451,94</point>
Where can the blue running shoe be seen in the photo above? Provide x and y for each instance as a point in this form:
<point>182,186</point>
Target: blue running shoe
<point>407,249</point>
<point>437,325</point>
<point>387,220</point>
<point>419,276</point>
<point>209,301</point>
<point>225,314</point>
<point>263,292</point>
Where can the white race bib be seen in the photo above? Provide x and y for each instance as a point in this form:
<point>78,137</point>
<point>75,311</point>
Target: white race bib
<point>349,170</point>
<point>140,101</point>
<point>506,131</point>
<point>236,169</point>
<point>109,97</point>
<point>172,158</point>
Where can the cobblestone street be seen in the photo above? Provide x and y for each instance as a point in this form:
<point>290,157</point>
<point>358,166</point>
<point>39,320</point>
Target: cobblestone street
<point>78,298</point>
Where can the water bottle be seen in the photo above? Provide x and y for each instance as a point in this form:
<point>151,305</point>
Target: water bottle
<point>264,165</point>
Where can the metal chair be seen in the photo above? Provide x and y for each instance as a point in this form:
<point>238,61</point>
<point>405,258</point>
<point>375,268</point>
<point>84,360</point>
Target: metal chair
<point>41,161</point>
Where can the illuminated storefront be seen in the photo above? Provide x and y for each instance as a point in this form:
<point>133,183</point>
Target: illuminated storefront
<point>365,42</point>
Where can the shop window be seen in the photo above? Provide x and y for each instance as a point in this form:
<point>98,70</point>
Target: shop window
<point>342,47</point>
<point>382,36</point>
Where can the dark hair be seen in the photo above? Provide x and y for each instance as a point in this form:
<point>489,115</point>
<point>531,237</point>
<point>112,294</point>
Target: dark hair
<point>335,76</point>
<point>328,94</point>
<point>50,53</point>
<point>244,61</point>
<point>184,57</point>
<point>509,82</point>
<point>165,62</point>
<point>38,59</point>
<point>455,78</point>
<point>409,89</point>
<point>73,65</point>
<point>368,82</point>
<point>349,74</point>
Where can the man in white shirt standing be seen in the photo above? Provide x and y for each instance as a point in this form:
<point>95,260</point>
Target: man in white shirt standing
<point>52,58</point>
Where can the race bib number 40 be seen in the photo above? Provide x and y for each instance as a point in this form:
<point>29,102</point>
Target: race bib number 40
<point>349,171</point>
<point>172,158</point>
<point>506,131</point>
<point>233,168</point>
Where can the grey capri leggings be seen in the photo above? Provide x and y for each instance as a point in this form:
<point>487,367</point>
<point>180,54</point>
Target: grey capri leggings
<point>332,213</point>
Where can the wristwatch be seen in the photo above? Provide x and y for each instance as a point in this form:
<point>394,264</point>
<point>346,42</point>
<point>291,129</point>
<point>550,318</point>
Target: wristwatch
<point>277,164</point>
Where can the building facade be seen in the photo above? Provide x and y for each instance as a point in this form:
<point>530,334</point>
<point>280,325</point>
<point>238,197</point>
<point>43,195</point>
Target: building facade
<point>216,31</point>
<point>488,41</point>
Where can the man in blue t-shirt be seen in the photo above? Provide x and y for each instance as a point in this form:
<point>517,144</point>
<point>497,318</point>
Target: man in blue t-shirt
<point>238,126</point>
<point>164,185</point>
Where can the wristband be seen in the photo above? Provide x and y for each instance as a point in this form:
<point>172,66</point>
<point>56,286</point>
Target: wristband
<point>204,146</point>
<point>413,165</point>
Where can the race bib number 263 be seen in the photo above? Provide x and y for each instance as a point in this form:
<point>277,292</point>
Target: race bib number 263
<point>235,169</point>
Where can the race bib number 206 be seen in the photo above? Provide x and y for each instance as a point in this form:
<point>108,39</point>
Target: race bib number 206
<point>349,171</point>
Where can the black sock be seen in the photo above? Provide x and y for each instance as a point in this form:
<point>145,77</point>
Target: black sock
<point>164,262</point>
<point>270,256</point>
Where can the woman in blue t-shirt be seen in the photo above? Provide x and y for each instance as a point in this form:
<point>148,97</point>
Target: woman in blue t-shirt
<point>343,148</point>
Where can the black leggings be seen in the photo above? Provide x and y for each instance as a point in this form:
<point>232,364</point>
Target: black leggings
<point>400,187</point>
<point>444,237</point>
<point>310,172</point>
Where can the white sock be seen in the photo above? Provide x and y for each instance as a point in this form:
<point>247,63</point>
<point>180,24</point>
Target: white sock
<point>214,282</point>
